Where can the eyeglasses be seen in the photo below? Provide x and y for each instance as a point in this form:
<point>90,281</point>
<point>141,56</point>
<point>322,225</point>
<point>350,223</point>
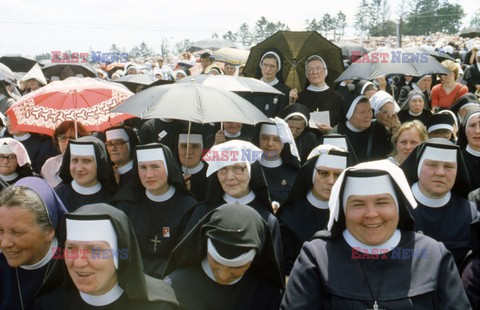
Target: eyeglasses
<point>267,66</point>
<point>115,144</point>
<point>315,70</point>
<point>10,157</point>
<point>237,170</point>
<point>64,138</point>
<point>324,174</point>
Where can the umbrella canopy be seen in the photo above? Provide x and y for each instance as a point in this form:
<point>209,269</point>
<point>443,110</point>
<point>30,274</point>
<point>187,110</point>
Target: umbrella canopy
<point>350,50</point>
<point>231,83</point>
<point>86,100</point>
<point>232,55</point>
<point>211,44</point>
<point>136,82</point>
<point>18,63</point>
<point>7,75</point>
<point>472,32</point>
<point>192,102</point>
<point>296,47</point>
<point>55,69</point>
<point>392,61</point>
<point>432,52</point>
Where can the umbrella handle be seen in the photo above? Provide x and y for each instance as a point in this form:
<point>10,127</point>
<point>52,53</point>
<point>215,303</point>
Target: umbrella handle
<point>188,144</point>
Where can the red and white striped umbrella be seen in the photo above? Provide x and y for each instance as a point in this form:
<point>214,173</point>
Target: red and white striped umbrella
<point>86,100</point>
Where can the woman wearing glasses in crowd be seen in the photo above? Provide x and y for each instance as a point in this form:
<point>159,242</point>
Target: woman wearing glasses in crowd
<point>63,133</point>
<point>14,161</point>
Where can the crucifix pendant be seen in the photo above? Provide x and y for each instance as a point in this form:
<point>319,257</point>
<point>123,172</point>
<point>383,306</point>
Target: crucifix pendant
<point>375,306</point>
<point>155,241</point>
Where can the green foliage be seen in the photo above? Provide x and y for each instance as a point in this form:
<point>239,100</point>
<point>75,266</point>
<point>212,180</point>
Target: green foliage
<point>142,50</point>
<point>182,46</point>
<point>475,22</point>
<point>44,56</point>
<point>328,25</point>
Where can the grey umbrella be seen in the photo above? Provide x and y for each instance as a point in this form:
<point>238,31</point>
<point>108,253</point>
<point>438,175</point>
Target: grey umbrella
<point>392,61</point>
<point>6,74</point>
<point>191,102</point>
<point>472,32</point>
<point>17,62</point>
<point>212,44</point>
<point>136,82</point>
<point>231,83</point>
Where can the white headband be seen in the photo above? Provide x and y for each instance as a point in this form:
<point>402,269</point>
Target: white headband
<point>470,117</point>
<point>231,152</point>
<point>316,57</point>
<point>469,104</point>
<point>375,185</point>
<point>5,149</point>
<point>297,114</point>
<point>151,155</point>
<point>440,126</point>
<point>416,96</point>
<point>365,87</point>
<point>118,133</point>
<point>332,161</point>
<point>82,149</point>
<point>353,105</point>
<point>194,139</point>
<point>234,262</point>
<point>279,63</point>
<point>94,230</point>
<point>437,154</point>
<point>268,129</point>
<point>338,141</point>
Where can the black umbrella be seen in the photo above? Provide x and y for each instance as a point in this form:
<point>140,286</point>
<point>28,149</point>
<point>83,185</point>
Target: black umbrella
<point>350,50</point>
<point>437,55</point>
<point>54,69</point>
<point>18,63</point>
<point>472,32</point>
<point>136,82</point>
<point>7,75</point>
<point>392,61</point>
<point>296,47</point>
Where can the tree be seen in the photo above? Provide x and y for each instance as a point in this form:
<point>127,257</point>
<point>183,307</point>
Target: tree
<point>475,22</point>
<point>44,56</point>
<point>142,51</point>
<point>327,23</point>
<point>230,36</point>
<point>182,46</point>
<point>363,18</point>
<point>312,25</point>
<point>114,49</point>
<point>244,34</point>
<point>340,24</point>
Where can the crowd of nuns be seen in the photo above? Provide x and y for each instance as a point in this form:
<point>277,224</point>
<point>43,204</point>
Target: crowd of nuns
<point>375,207</point>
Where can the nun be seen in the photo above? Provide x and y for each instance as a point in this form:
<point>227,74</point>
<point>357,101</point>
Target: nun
<point>297,117</point>
<point>421,84</point>
<point>385,110</point>
<point>440,184</point>
<point>14,161</point>
<point>158,204</point>
<point>461,106</point>
<point>370,257</point>
<point>318,96</point>
<point>103,267</point>
<point>414,108</point>
<point>30,218</point>
<point>120,142</point>
<point>270,72</point>
<point>440,126</point>
<point>238,178</point>
<point>370,139</point>
<point>306,209</point>
<point>188,153</point>
<point>469,142</point>
<point>280,158</point>
<point>86,173</point>
<point>226,262</point>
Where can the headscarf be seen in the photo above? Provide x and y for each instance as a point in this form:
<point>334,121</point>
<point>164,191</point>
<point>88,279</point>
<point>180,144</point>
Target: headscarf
<point>380,98</point>
<point>232,226</point>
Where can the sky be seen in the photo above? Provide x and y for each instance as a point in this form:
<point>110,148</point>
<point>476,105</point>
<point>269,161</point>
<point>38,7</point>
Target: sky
<point>32,27</point>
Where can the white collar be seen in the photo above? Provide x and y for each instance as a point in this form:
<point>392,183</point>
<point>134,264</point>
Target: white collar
<point>318,89</point>
<point>427,201</point>
<point>105,299</point>
<point>272,83</point>
<point>385,247</point>
<point>350,126</point>
<point>271,163</point>
<point>472,151</point>
<point>229,135</point>
<point>125,168</point>
<point>9,177</point>
<point>317,203</point>
<point>208,271</point>
<point>242,200</point>
<point>22,138</point>
<point>415,114</point>
<point>86,190</point>
<point>46,258</point>
<point>195,169</point>
<point>163,197</point>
